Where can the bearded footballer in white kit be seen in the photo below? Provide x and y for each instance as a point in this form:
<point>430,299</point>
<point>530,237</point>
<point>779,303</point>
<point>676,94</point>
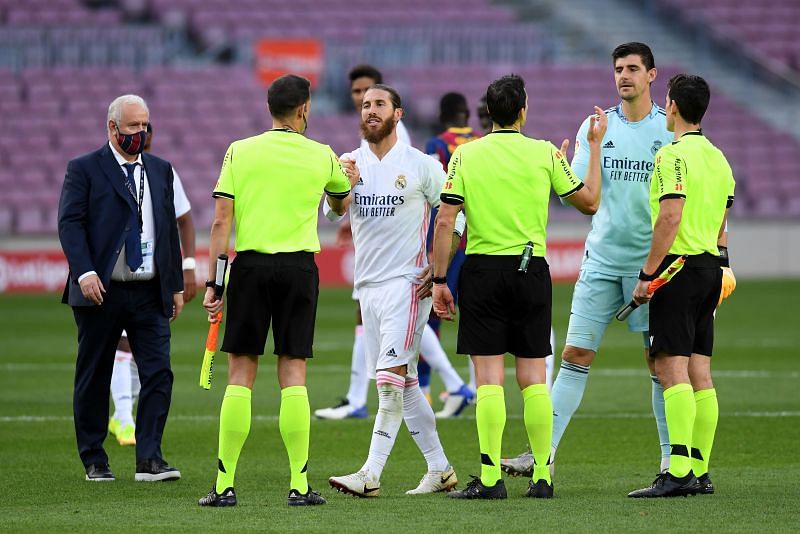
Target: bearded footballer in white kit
<point>354,404</point>
<point>389,213</point>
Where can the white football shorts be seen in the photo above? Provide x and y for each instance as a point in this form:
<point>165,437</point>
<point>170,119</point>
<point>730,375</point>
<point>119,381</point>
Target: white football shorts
<point>393,323</point>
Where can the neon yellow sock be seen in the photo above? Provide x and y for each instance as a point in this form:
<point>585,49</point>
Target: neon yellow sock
<point>234,426</point>
<point>705,425</point>
<point>539,424</point>
<point>490,416</point>
<point>295,425</point>
<point>679,406</point>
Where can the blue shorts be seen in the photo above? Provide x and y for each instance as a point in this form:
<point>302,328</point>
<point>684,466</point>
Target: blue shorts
<point>595,301</point>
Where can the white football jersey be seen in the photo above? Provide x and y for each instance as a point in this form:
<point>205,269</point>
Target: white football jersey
<point>390,212</point>
<point>181,201</point>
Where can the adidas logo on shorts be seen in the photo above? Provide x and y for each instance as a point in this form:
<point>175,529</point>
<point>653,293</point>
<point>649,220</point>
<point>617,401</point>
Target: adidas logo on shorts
<point>610,144</point>
<point>392,353</point>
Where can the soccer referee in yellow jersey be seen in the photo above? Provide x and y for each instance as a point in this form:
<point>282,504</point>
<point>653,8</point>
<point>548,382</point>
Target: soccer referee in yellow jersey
<point>271,184</point>
<point>503,182</point>
<point>690,192</point>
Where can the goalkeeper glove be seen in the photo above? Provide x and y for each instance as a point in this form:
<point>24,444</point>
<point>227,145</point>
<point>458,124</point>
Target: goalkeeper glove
<point>728,284</point>
<point>728,279</point>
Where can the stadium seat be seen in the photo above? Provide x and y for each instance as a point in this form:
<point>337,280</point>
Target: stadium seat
<point>768,28</point>
<point>198,110</point>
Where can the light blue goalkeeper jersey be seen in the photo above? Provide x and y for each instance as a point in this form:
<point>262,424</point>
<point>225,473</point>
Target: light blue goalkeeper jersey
<point>621,229</point>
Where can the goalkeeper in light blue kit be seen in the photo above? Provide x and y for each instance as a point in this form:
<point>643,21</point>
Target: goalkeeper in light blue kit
<point>617,244</point>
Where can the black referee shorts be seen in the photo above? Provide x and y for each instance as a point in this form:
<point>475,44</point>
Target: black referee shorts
<point>503,310</point>
<point>682,311</point>
<point>282,288</point>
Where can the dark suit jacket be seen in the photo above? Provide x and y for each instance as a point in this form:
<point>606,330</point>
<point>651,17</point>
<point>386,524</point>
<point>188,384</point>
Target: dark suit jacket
<point>94,210</point>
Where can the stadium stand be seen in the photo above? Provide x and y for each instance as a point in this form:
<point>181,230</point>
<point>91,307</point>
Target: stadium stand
<point>53,13</point>
<point>333,19</point>
<point>769,27</point>
<point>54,113</point>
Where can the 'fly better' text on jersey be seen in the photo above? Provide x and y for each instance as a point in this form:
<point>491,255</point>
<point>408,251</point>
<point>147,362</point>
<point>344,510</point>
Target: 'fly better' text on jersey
<point>390,212</point>
<point>621,232</point>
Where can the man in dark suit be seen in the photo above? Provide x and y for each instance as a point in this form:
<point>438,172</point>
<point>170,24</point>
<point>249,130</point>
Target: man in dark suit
<point>116,223</point>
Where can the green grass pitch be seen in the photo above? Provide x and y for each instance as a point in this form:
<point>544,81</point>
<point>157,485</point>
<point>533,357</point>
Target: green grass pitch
<point>609,449</point>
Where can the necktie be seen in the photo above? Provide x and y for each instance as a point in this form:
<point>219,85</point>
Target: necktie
<point>133,242</point>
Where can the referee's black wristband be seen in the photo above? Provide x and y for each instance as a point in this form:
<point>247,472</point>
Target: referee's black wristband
<point>210,283</point>
<point>647,277</point>
<point>724,259</point>
<point>439,279</point>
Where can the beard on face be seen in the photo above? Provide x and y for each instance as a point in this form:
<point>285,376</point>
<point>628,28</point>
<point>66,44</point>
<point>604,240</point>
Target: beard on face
<point>376,136</point>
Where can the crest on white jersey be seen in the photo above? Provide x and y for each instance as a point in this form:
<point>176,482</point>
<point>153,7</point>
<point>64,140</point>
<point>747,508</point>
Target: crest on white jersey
<point>401,182</point>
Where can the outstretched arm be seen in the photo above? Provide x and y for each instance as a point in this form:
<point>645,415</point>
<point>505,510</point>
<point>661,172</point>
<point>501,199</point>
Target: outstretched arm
<point>587,198</point>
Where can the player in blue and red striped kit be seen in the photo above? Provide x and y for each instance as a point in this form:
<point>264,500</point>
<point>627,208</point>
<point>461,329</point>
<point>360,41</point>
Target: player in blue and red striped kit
<point>454,116</point>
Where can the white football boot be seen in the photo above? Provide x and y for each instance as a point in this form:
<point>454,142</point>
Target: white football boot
<point>522,465</point>
<point>436,481</point>
<point>455,403</point>
<point>343,410</point>
<point>360,484</point>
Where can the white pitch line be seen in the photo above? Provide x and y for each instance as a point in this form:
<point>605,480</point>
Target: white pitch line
<point>68,418</point>
<point>334,368</point>
<point>274,418</point>
<point>723,373</point>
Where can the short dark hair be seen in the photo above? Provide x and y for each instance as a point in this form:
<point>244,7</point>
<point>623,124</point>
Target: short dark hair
<point>394,96</point>
<point>505,97</point>
<point>365,71</point>
<point>287,93</point>
<point>635,48</point>
<point>452,107</point>
<point>691,94</point>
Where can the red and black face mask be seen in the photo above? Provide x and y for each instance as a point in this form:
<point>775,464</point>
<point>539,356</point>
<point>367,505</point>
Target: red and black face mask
<point>132,144</point>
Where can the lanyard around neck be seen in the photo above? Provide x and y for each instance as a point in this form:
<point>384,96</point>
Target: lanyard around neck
<point>140,196</point>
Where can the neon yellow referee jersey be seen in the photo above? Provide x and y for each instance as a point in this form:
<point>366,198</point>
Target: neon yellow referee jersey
<point>276,180</point>
<point>694,169</point>
<point>504,181</point>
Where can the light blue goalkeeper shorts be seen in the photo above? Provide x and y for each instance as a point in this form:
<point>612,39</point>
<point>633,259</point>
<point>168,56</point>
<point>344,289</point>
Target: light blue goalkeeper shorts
<point>595,301</point>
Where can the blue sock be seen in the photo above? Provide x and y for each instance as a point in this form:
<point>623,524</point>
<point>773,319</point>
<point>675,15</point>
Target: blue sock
<point>661,420</point>
<point>424,374</point>
<point>567,394</point>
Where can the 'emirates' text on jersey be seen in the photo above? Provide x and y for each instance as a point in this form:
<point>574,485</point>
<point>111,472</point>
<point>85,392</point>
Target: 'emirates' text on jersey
<point>390,212</point>
<point>621,232</point>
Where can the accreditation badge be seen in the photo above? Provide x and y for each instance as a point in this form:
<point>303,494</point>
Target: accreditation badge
<point>147,257</point>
